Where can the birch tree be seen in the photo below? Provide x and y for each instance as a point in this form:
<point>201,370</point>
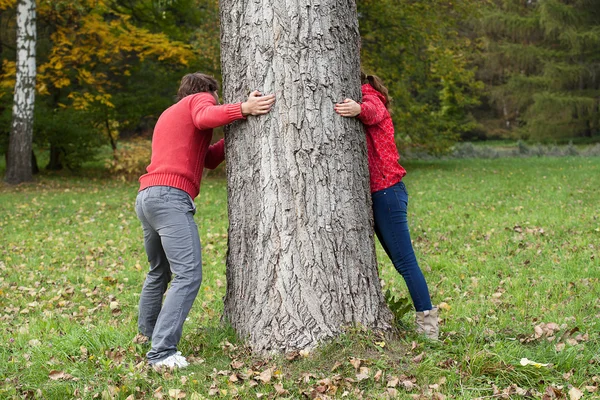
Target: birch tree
<point>301,261</point>
<point>18,168</point>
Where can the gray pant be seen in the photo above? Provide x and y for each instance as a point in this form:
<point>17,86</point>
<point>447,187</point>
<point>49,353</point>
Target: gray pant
<point>173,247</point>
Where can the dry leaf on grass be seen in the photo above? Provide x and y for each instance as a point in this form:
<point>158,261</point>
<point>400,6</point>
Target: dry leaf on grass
<point>363,374</point>
<point>176,394</point>
<point>58,375</point>
<point>575,394</point>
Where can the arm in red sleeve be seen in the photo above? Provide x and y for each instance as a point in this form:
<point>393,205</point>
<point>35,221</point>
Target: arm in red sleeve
<point>372,110</point>
<point>208,115</point>
<point>215,155</point>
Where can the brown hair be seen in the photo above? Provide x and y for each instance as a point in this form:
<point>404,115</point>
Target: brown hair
<point>196,83</point>
<point>377,84</point>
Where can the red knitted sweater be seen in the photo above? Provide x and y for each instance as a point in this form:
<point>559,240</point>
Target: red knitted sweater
<point>383,155</point>
<point>181,142</point>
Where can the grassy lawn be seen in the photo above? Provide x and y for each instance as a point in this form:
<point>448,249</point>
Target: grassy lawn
<point>510,248</point>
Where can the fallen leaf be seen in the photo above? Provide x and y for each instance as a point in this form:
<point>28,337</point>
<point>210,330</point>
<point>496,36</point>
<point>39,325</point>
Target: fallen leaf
<point>304,353</point>
<point>419,358</point>
<point>57,375</point>
<point>336,366</point>
<point>363,374</point>
<point>355,362</point>
<point>393,381</point>
<point>213,391</point>
<point>265,376</point>
<point>279,389</point>
<point>176,394</point>
<point>140,339</point>
<point>575,394</point>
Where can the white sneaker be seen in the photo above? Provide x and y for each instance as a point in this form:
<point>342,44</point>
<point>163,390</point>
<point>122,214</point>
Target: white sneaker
<point>173,361</point>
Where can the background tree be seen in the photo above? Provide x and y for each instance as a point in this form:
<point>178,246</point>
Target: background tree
<point>541,65</point>
<point>105,68</point>
<point>422,52</point>
<point>18,167</point>
<point>301,261</point>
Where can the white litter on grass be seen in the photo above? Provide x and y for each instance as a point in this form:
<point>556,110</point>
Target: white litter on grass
<point>525,361</point>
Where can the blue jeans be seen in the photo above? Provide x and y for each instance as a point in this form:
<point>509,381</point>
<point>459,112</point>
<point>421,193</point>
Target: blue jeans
<point>173,247</point>
<point>391,226</point>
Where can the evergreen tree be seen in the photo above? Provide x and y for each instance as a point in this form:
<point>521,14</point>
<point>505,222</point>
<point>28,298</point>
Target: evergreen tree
<point>419,50</point>
<point>541,65</point>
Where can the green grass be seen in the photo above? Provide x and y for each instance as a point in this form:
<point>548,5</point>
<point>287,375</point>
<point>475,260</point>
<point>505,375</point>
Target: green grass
<point>506,245</point>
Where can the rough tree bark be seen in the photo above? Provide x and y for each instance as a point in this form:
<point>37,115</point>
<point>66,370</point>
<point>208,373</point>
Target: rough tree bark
<point>19,168</point>
<point>301,262</point>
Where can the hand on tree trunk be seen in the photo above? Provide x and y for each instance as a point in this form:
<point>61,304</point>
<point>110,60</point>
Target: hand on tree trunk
<point>348,108</point>
<point>257,104</point>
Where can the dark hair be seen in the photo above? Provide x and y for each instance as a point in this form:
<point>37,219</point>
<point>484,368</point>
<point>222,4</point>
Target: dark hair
<point>196,83</point>
<point>377,84</point>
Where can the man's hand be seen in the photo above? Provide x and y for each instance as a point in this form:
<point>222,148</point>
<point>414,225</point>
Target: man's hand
<point>348,108</point>
<point>257,104</point>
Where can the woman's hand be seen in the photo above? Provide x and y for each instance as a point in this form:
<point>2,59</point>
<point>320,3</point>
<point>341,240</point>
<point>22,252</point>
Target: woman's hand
<point>257,104</point>
<point>348,108</point>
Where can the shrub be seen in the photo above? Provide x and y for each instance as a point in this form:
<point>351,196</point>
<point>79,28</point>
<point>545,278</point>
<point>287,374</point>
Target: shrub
<point>130,159</point>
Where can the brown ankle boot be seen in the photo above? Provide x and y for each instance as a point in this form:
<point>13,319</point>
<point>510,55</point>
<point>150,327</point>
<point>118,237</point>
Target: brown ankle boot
<point>427,323</point>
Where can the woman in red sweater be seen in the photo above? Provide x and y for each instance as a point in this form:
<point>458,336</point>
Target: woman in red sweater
<point>165,206</point>
<point>390,198</point>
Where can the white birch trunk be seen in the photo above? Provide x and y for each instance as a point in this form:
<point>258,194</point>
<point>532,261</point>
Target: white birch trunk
<point>301,262</point>
<point>18,168</point>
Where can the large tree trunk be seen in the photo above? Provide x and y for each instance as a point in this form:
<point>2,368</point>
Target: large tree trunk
<point>301,261</point>
<point>19,168</point>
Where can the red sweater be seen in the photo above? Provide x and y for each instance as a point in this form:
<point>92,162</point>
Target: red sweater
<point>181,142</point>
<point>383,155</point>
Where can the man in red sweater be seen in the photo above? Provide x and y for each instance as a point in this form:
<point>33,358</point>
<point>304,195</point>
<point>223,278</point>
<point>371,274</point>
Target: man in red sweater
<point>165,206</point>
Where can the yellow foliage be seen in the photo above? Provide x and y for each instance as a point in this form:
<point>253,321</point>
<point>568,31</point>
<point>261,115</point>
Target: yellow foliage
<point>5,4</point>
<point>7,77</point>
<point>131,159</point>
<point>82,101</point>
<point>83,40</point>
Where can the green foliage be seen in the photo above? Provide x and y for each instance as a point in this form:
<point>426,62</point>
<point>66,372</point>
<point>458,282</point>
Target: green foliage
<point>399,307</point>
<point>69,132</point>
<point>540,65</point>
<point>418,50</point>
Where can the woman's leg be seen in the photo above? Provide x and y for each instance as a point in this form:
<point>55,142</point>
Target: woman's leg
<point>391,226</point>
